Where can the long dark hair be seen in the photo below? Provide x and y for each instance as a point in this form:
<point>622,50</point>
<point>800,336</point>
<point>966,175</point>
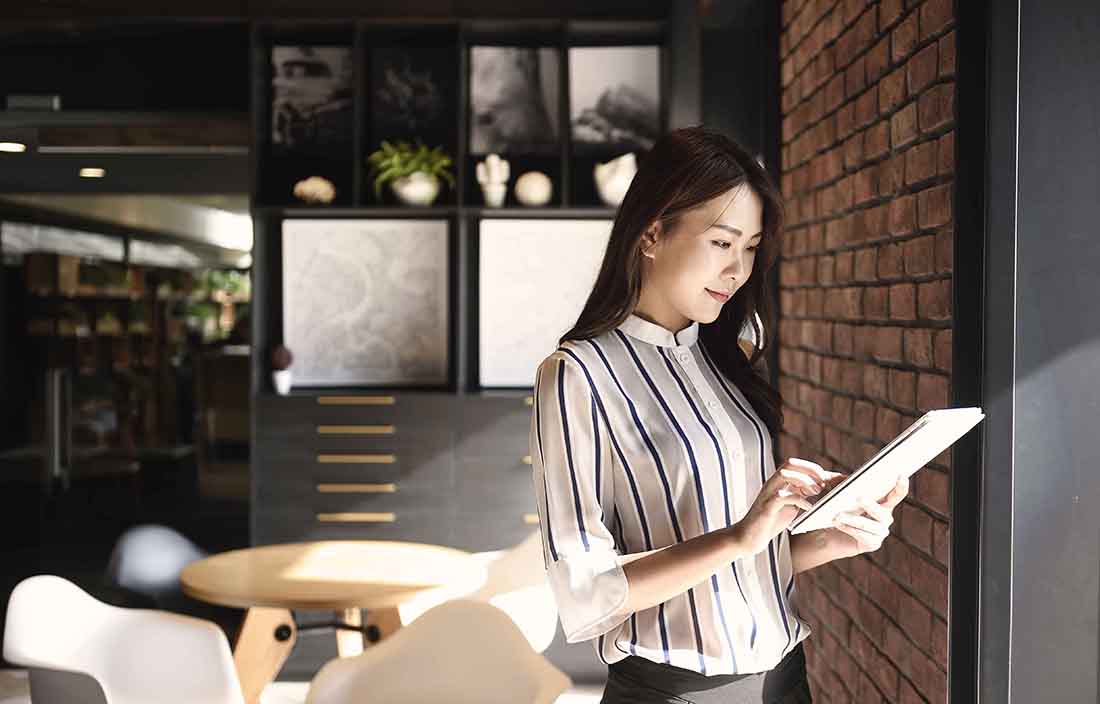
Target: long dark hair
<point>685,168</point>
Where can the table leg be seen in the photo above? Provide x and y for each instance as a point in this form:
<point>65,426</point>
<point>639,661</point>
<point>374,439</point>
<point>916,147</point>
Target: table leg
<point>349,643</point>
<point>266,639</point>
<point>352,643</point>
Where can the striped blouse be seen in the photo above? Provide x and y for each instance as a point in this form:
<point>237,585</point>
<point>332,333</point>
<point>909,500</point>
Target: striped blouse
<point>639,442</point>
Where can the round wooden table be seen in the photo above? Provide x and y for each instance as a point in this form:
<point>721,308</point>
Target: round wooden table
<point>343,576</point>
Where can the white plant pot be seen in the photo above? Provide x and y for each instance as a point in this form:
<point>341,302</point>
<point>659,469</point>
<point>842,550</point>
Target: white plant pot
<point>281,378</point>
<point>494,194</point>
<point>418,188</point>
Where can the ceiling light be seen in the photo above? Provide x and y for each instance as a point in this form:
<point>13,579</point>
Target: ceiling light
<point>13,147</point>
<point>93,172</point>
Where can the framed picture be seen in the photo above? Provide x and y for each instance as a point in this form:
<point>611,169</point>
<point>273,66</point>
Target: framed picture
<point>614,98</point>
<point>365,302</point>
<point>529,294</point>
<point>312,106</point>
<point>514,98</point>
<point>413,95</point>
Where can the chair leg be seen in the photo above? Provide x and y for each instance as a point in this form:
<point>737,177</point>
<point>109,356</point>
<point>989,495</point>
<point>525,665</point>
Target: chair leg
<point>265,641</point>
<point>349,643</point>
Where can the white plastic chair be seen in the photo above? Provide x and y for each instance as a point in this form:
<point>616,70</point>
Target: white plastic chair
<point>515,583</point>
<point>460,652</point>
<point>136,656</point>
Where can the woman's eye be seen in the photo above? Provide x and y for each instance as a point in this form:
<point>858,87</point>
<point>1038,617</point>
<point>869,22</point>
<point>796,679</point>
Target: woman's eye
<point>752,248</point>
<point>720,243</point>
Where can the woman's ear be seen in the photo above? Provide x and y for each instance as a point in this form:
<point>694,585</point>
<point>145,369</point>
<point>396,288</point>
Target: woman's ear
<point>650,238</point>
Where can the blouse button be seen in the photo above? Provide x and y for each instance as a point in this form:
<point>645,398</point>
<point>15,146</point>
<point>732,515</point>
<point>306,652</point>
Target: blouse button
<point>683,356</point>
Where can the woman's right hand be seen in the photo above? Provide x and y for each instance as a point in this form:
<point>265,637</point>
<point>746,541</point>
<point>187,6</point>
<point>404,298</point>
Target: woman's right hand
<point>779,500</point>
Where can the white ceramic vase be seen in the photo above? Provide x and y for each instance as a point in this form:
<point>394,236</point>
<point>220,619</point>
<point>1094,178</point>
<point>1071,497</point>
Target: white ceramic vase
<point>281,378</point>
<point>418,188</point>
<point>613,178</point>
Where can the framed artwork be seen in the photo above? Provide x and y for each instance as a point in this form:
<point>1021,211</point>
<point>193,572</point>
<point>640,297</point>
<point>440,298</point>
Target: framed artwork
<point>529,294</point>
<point>312,106</point>
<point>413,94</point>
<point>514,97</point>
<point>614,98</point>
<point>365,302</point>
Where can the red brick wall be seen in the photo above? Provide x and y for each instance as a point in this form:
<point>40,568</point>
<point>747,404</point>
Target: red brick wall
<point>865,304</point>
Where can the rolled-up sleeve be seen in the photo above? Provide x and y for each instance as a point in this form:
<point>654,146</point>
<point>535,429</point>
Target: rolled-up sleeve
<point>570,457</point>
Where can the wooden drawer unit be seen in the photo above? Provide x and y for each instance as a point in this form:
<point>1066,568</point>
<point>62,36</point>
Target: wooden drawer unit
<point>494,426</point>
<point>494,485</point>
<point>423,410</point>
<point>409,468</point>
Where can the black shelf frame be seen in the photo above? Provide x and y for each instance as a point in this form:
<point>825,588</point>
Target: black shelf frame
<point>464,207</point>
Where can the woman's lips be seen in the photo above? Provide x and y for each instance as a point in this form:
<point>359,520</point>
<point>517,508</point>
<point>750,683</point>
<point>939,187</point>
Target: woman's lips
<point>720,297</point>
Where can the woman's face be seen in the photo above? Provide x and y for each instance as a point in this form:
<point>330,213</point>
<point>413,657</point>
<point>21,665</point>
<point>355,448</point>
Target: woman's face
<point>711,248</point>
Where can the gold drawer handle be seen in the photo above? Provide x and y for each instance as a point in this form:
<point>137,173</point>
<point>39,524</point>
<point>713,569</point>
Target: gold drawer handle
<point>356,400</point>
<point>356,517</point>
<point>356,488</point>
<point>527,459</point>
<point>531,519</point>
<point>528,400</point>
<point>388,458</point>
<point>356,430</point>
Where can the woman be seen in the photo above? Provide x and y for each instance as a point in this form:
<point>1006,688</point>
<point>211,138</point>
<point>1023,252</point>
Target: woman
<point>663,514</point>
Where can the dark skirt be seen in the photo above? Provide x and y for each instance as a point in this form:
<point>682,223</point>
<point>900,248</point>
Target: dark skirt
<point>642,681</point>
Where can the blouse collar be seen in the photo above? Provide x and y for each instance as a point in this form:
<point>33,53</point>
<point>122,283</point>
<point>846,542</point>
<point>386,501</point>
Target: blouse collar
<point>659,335</point>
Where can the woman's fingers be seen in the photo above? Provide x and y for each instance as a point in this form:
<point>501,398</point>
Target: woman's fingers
<point>820,474</point>
<point>787,497</point>
<point>868,525</point>
<point>878,511</point>
<point>868,542</point>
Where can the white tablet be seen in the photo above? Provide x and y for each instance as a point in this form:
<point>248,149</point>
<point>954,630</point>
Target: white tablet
<point>913,448</point>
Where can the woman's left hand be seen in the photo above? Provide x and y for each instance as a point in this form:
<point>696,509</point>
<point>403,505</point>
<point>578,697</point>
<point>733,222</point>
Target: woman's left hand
<point>857,534</point>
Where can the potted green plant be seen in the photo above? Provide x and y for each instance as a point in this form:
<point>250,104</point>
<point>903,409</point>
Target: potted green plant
<point>413,171</point>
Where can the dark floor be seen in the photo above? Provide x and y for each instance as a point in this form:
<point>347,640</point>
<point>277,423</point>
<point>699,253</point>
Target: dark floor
<point>71,533</point>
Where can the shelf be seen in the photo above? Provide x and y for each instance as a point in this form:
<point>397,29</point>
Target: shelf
<point>441,211</point>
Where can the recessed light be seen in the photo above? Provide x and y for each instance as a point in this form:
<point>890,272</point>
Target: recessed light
<point>13,147</point>
<point>93,172</point>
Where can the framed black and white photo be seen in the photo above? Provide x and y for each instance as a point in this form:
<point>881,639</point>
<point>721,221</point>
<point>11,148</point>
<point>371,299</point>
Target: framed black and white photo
<point>311,106</point>
<point>514,97</point>
<point>365,302</point>
<point>413,94</point>
<point>614,98</point>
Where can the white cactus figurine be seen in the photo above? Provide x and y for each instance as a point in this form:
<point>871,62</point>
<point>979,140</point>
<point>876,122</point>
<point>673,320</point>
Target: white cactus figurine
<point>493,175</point>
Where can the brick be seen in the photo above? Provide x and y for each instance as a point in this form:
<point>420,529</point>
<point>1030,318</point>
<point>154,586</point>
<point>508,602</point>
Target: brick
<point>903,388</point>
<point>892,91</point>
<point>887,424</point>
<point>946,158</point>
<point>863,418</point>
<point>921,162</point>
<point>826,268</point>
<point>919,255</point>
<point>885,675</point>
<point>947,54</point>
<point>878,58</point>
<point>936,107</point>
<point>874,382</point>
<point>890,261</point>
<point>903,126</point>
<point>903,215</point>
<point>855,77</point>
<point>929,680</point>
<point>875,300</point>
<point>843,267</point>
<point>892,175</point>
<point>904,38</point>
<point>853,151</point>
<point>934,300</point>
<point>887,344</point>
<point>934,206</point>
<point>889,12</point>
<point>932,392</point>
<point>930,585</point>
<point>935,17</point>
<point>932,490</point>
<point>914,618</point>
<point>923,68</point>
<point>842,409</point>
<point>918,348</point>
<point>903,302</point>
<point>867,107</point>
<point>939,642</point>
<point>876,140</point>
<point>915,526</point>
<point>836,234</point>
<point>943,350</point>
<point>945,251</point>
<point>866,264</point>
<point>941,542</point>
<point>883,590</point>
<point>852,377</point>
